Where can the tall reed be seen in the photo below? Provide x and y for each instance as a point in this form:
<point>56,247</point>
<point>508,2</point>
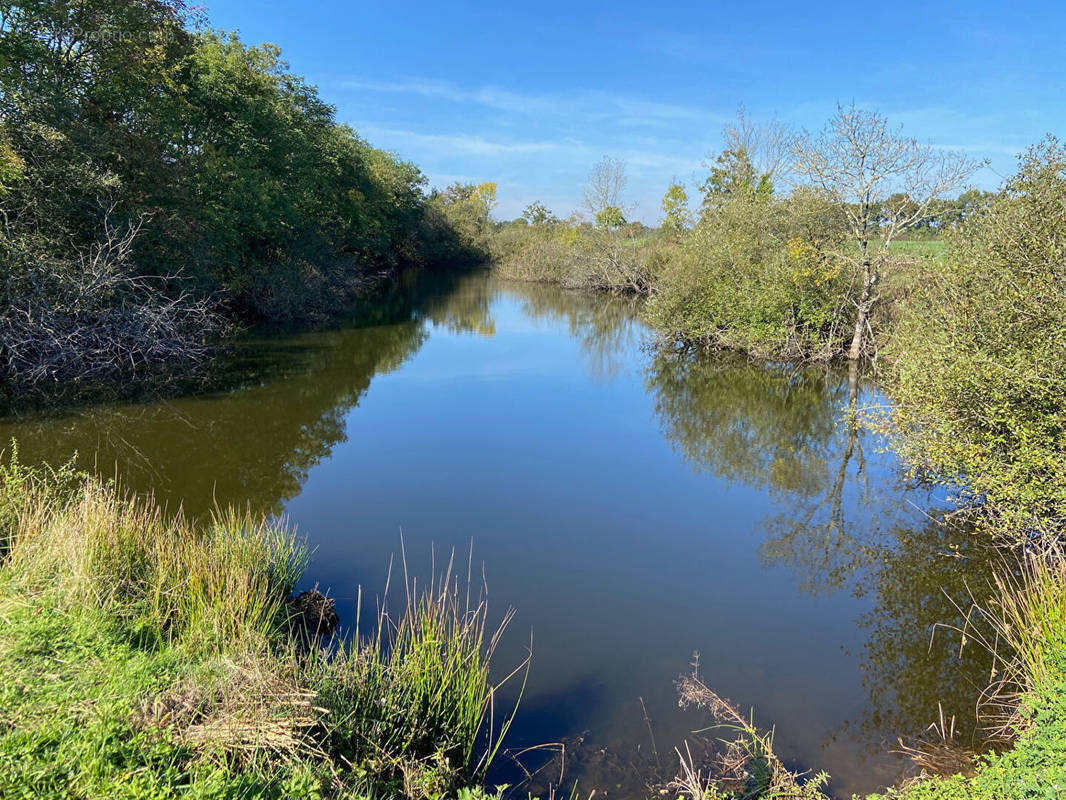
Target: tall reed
<point>414,703</point>
<point>419,688</point>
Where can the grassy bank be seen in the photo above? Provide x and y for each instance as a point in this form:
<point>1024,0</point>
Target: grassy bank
<point>148,656</point>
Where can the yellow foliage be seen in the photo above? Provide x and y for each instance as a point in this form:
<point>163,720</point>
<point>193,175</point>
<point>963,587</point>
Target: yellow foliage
<point>810,263</point>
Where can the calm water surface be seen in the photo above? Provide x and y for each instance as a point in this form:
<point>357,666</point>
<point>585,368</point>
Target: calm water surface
<point>634,508</point>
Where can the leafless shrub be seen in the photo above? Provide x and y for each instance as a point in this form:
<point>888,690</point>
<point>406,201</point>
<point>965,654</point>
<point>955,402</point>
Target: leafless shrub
<point>93,318</point>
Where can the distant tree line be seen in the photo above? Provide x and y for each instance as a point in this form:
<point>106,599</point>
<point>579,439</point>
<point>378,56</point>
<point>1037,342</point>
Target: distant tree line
<point>158,180</point>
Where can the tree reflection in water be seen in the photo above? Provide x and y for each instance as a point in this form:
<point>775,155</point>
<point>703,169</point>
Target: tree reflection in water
<point>797,433</point>
<point>273,411</point>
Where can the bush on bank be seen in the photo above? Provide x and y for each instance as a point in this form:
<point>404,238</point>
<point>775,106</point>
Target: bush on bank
<point>578,255</point>
<point>978,357</point>
<point>762,275</point>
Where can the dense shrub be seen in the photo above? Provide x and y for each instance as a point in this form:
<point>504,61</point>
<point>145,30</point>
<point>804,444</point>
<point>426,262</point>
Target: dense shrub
<point>979,355</point>
<point>760,275</point>
<point>578,255</point>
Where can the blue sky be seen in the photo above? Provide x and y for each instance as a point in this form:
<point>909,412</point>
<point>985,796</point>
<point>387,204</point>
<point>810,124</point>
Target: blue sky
<point>530,95</point>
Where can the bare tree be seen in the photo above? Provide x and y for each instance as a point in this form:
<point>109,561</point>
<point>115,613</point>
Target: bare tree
<point>769,145</point>
<point>884,184</point>
<point>604,189</point>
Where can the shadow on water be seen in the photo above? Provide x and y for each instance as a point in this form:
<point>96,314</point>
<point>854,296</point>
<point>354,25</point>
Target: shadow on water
<point>273,409</point>
<point>632,504</point>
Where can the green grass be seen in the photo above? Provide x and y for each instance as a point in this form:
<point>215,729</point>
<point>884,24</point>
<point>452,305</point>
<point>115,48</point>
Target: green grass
<point>145,656</point>
<point>919,248</point>
<point>1035,767</point>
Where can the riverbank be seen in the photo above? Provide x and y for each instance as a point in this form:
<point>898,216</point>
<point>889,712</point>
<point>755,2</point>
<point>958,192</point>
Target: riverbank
<point>168,195</point>
<point>149,656</point>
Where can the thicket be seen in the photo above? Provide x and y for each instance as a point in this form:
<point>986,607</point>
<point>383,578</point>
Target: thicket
<point>977,365</point>
<point>576,254</point>
<point>158,179</point>
<point>762,275</point>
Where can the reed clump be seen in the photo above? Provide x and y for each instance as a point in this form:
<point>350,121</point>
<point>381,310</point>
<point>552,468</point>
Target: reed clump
<point>148,654</point>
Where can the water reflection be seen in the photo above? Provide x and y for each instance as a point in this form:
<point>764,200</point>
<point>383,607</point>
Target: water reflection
<point>797,432</point>
<point>275,409</point>
<point>605,325</point>
<point>768,427</point>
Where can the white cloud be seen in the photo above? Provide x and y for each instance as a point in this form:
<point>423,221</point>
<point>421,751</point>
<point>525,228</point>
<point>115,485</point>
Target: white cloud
<point>453,143</point>
<point>580,104</point>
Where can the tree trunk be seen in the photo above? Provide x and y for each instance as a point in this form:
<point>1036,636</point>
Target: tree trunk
<point>863,313</point>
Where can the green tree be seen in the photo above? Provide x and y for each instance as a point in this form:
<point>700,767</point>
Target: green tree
<point>133,146</point>
<point>538,214</point>
<point>676,214</point>
<point>610,217</point>
<point>759,274</point>
<point>732,175</point>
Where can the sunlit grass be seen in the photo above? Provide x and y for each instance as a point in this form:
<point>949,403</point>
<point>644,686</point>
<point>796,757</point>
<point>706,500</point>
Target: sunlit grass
<point>138,643</point>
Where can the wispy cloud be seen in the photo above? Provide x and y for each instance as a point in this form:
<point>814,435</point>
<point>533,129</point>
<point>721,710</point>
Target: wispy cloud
<point>539,146</point>
<point>536,146</point>
<point>581,104</point>
<point>457,143</point>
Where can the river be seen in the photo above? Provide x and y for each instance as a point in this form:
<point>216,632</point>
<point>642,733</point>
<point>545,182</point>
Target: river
<point>634,507</point>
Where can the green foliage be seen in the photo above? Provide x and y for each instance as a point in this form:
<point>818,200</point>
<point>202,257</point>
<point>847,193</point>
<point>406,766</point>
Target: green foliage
<point>536,213</point>
<point>1033,769</point>
<point>978,356</point>
<point>760,275</point>
<point>12,167</point>
<point>733,175</point>
<point>610,217</point>
<point>465,213</point>
<point>1028,623</point>
<point>676,215</point>
<point>241,184</point>
<point>579,255</point>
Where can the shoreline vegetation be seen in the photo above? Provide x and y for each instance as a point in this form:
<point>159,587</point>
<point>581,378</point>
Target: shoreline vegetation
<point>164,189</point>
<point>147,655</point>
<point>160,191</point>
